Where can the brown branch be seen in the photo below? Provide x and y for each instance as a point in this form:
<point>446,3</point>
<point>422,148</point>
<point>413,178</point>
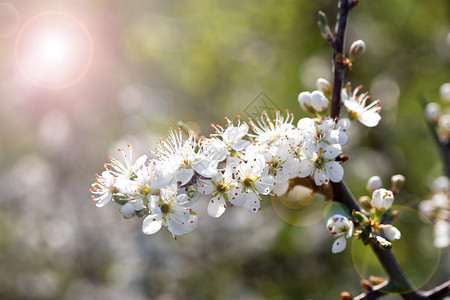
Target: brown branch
<point>439,292</point>
<point>339,62</point>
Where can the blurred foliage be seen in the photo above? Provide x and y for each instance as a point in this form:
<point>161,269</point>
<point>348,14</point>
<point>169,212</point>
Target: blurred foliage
<point>160,61</point>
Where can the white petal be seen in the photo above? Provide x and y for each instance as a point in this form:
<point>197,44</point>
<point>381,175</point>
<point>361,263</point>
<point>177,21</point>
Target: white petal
<point>252,205</point>
<point>235,133</point>
<point>320,177</point>
<point>104,199</point>
<point>369,118</point>
<point>332,151</point>
<point>237,198</point>
<point>184,175</point>
<point>216,207</point>
<point>241,145</point>
<point>205,187</point>
<point>192,223</point>
<point>334,171</point>
<point>318,101</point>
<point>265,184</point>
<point>151,224</point>
<point>140,161</point>
<point>305,168</point>
<point>339,245</point>
<point>281,188</point>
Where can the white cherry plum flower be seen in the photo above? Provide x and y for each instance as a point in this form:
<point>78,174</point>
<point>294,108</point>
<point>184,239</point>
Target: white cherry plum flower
<point>220,189</point>
<point>341,228</point>
<point>356,106</point>
<point>252,180</point>
<point>116,175</point>
<point>268,132</point>
<point>232,136</point>
<point>171,210</point>
<point>319,163</point>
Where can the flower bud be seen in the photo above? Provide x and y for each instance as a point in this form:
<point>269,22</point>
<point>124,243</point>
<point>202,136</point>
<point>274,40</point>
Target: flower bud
<point>362,219</point>
<point>324,86</point>
<point>382,198</point>
<point>398,181</point>
<point>318,101</point>
<point>432,113</point>
<point>357,48</point>
<point>127,210</point>
<point>444,91</point>
<point>390,232</point>
<point>444,126</point>
<point>365,202</point>
<point>374,183</point>
<point>304,99</point>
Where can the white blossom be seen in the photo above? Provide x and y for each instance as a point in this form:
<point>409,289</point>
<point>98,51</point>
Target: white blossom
<point>319,162</point>
<point>356,106</point>
<point>253,180</point>
<point>341,228</point>
<point>171,210</point>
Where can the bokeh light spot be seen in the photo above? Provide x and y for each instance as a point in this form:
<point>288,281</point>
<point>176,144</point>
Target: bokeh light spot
<point>54,50</point>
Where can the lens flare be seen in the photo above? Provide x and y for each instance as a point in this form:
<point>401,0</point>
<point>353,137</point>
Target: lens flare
<point>54,50</point>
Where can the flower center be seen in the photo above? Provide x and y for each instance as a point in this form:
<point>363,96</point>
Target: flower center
<point>248,182</point>
<point>221,188</point>
<point>165,208</point>
<point>353,115</point>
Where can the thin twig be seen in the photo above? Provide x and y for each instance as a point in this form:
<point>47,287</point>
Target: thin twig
<point>444,146</point>
<point>339,56</point>
<point>438,292</point>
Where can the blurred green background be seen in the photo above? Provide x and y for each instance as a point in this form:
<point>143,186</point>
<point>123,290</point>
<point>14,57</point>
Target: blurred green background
<point>159,61</point>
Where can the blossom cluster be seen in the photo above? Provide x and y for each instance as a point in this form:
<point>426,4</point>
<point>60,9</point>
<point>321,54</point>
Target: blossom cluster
<point>238,164</point>
<point>437,208</point>
<point>438,117</point>
<point>366,225</point>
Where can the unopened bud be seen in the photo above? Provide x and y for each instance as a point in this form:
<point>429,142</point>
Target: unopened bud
<point>374,183</point>
<point>365,202</point>
<point>357,48</point>
<point>376,280</point>
<point>365,284</point>
<point>346,296</point>
<point>432,113</point>
<point>362,219</point>
<point>325,30</point>
<point>444,91</point>
<point>398,181</point>
<point>318,101</point>
<point>304,99</point>
<point>324,86</point>
<point>390,232</point>
<point>127,210</point>
<point>444,125</point>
